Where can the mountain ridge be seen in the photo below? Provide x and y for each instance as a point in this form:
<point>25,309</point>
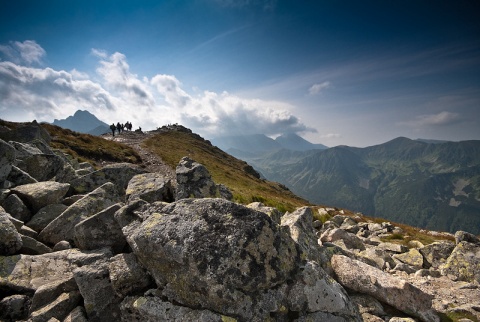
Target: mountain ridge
<point>429,185</point>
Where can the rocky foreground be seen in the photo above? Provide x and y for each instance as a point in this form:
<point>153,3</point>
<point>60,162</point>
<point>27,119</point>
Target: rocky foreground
<point>119,243</point>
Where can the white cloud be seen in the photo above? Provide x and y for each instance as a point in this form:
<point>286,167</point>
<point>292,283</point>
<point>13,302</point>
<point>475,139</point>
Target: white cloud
<point>317,88</point>
<point>116,75</point>
<point>330,136</point>
<point>119,95</point>
<point>170,87</point>
<point>441,118</point>
<point>23,52</point>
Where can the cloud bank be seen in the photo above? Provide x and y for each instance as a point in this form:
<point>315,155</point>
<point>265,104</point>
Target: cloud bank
<point>113,93</point>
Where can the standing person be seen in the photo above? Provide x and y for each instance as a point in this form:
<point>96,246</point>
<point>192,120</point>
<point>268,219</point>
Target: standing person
<point>113,127</point>
<point>119,127</point>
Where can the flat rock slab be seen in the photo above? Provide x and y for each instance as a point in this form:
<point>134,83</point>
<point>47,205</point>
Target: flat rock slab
<point>41,194</point>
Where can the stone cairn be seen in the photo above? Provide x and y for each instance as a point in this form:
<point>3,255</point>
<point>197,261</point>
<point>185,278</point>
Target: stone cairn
<point>120,244</point>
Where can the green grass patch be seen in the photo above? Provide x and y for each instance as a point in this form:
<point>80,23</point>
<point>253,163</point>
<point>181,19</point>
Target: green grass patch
<point>236,174</point>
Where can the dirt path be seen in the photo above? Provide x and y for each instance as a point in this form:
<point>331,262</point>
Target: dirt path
<point>150,161</point>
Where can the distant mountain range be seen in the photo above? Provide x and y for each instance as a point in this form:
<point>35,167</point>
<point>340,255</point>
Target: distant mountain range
<point>260,143</point>
<point>424,183</point>
<point>83,122</point>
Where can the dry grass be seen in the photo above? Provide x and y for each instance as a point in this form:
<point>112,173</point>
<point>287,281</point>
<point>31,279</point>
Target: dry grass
<point>235,174</point>
<point>91,148</point>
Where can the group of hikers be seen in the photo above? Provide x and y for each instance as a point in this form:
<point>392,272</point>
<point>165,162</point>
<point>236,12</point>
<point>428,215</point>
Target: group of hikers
<point>120,127</point>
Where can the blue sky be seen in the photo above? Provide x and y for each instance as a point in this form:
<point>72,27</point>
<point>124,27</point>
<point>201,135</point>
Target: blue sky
<point>357,73</point>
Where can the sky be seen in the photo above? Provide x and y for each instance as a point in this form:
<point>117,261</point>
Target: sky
<point>355,73</point>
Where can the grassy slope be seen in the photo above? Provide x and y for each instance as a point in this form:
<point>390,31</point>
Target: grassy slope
<point>90,148</point>
<point>225,169</point>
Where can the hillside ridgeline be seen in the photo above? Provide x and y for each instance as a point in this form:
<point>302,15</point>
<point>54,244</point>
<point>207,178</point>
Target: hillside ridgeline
<point>116,242</point>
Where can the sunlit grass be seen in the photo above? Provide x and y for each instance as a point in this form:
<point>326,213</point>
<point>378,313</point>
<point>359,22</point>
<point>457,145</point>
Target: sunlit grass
<point>91,148</point>
<point>172,146</point>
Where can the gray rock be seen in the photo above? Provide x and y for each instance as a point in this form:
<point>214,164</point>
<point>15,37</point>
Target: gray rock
<point>7,158</point>
<point>365,279</point>
<point>336,235</point>
<point>119,174</point>
<point>152,309</point>
<point>100,230</point>
<point>10,239</point>
<point>436,254</point>
<point>382,258</point>
<point>32,246</point>
<point>368,304</point>
<point>17,223</point>
<point>214,254</point>
<point>58,309</point>
<point>41,194</point>
<point>14,307</point>
<point>412,258</point>
<point>315,291</point>
<point>405,268</point>
<point>395,248</point>
<point>78,314</point>
<point>49,292</point>
<point>39,165</point>
<point>26,133</point>
<point>26,273</point>
<point>62,245</point>
<point>27,231</point>
<point>17,208</point>
<point>467,237</point>
<point>194,180</point>
<point>272,212</point>
<point>100,301</point>
<point>45,216</point>
<point>127,275</point>
<point>19,177</point>
<point>464,263</point>
<point>301,230</point>
<point>150,187</point>
<point>62,227</point>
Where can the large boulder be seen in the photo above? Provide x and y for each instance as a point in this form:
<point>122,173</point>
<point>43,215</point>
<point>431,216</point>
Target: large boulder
<point>194,181</point>
<point>58,309</point>
<point>41,194</point>
<point>119,174</point>
<point>41,165</point>
<point>17,208</point>
<point>436,254</point>
<point>100,230</point>
<point>464,263</point>
<point>127,275</point>
<point>62,227</point>
<point>152,309</point>
<point>300,225</point>
<point>99,298</point>
<point>214,254</point>
<point>412,258</point>
<point>10,239</point>
<point>45,216</point>
<point>26,133</point>
<point>272,212</point>
<point>18,177</point>
<point>14,307</point>
<point>366,279</point>
<point>150,187</point>
<point>314,291</point>
<point>7,158</point>
<point>342,238</point>
<point>27,273</point>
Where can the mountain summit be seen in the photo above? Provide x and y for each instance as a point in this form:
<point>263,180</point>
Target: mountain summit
<point>83,122</point>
